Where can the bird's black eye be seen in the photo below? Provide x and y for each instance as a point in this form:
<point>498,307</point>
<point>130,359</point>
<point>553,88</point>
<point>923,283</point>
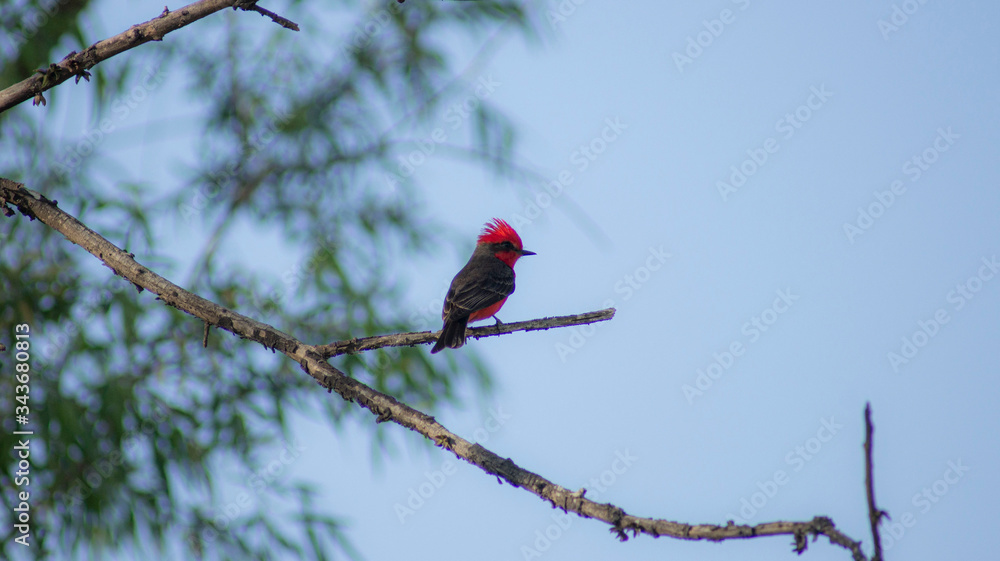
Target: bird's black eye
<point>507,245</point>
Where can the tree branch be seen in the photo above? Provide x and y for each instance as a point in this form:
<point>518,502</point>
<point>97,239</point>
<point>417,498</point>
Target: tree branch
<point>251,6</point>
<point>387,408</point>
<point>362,344</point>
<point>78,64</point>
<point>874,514</point>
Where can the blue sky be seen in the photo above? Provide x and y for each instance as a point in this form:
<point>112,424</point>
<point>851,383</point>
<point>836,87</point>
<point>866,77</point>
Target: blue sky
<point>843,111</point>
<point>801,201</point>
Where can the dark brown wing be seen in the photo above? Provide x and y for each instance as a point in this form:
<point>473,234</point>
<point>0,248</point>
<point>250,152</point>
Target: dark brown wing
<point>484,281</point>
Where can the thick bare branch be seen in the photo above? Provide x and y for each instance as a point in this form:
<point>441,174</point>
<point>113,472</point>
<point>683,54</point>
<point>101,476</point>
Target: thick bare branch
<point>78,64</point>
<point>387,408</point>
<point>874,514</point>
<point>362,344</point>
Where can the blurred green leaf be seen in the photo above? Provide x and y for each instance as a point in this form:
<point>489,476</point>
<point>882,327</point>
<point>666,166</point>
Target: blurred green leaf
<point>148,435</point>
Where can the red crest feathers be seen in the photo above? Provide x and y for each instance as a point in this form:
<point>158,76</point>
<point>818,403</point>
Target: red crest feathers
<point>499,231</point>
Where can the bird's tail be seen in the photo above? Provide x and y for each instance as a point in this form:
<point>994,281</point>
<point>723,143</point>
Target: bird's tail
<point>453,334</point>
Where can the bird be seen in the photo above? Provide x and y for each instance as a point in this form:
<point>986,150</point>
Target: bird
<point>481,288</point>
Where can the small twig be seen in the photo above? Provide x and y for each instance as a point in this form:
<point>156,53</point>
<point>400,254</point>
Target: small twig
<point>251,6</point>
<point>204,337</point>
<point>874,514</point>
<point>362,344</point>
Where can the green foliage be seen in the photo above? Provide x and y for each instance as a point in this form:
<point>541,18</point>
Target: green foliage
<point>143,435</point>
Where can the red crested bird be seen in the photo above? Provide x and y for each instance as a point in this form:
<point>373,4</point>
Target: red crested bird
<point>480,289</point>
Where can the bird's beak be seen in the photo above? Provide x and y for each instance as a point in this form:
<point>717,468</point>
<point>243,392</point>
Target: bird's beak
<point>526,252</point>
